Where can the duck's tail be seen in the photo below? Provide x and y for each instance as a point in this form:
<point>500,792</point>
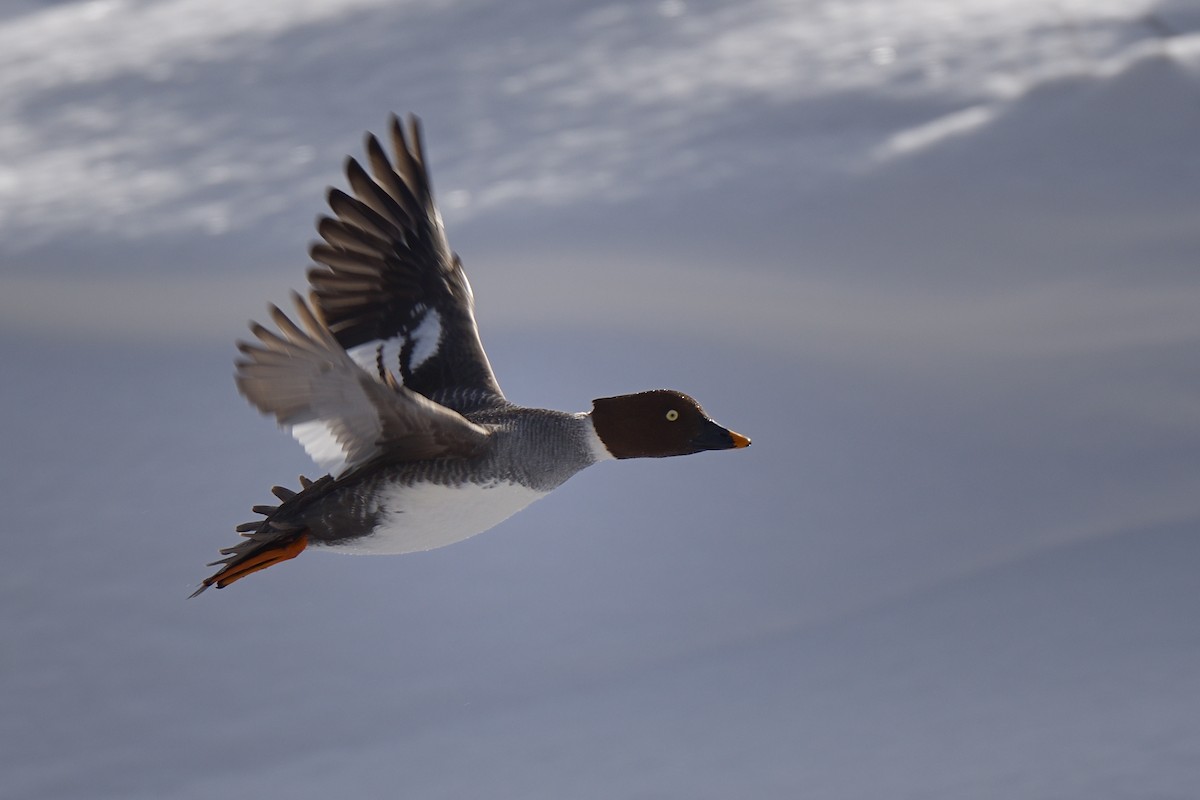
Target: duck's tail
<point>268,541</point>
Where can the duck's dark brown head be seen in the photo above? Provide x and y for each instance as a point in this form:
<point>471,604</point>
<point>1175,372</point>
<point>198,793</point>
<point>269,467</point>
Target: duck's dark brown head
<point>657,424</point>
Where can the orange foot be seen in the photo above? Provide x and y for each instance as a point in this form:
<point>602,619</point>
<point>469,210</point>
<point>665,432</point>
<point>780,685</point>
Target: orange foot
<point>261,560</point>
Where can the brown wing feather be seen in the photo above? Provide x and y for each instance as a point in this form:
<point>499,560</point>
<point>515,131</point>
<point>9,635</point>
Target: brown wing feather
<point>304,378</point>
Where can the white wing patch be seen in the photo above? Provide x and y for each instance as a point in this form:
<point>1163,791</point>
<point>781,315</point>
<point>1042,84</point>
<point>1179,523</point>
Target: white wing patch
<point>321,445</point>
<point>426,339</point>
<point>365,356</point>
<point>422,341</point>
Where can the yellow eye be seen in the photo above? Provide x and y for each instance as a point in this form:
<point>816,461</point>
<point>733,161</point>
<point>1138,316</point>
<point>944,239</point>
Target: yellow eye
<point>672,415</point>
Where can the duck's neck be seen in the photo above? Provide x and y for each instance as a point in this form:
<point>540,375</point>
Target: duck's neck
<point>595,444</point>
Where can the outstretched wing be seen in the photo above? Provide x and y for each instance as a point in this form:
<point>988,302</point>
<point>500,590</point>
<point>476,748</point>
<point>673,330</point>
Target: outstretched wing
<point>392,292</point>
<point>342,414</point>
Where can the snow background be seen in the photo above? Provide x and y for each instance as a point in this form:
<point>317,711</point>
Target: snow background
<point>939,260</point>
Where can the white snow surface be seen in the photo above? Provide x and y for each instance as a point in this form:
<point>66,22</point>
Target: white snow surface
<point>940,261</point>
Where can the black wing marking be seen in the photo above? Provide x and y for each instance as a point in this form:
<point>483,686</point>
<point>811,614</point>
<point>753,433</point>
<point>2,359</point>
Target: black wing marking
<point>391,290</point>
<point>343,415</point>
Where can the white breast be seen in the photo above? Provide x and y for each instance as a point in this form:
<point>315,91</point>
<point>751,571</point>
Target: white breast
<point>427,516</point>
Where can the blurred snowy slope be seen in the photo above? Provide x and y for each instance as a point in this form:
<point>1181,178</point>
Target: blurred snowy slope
<point>128,119</point>
<point>939,260</point>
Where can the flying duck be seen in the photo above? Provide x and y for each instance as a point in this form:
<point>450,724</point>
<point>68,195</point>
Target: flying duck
<point>381,376</point>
